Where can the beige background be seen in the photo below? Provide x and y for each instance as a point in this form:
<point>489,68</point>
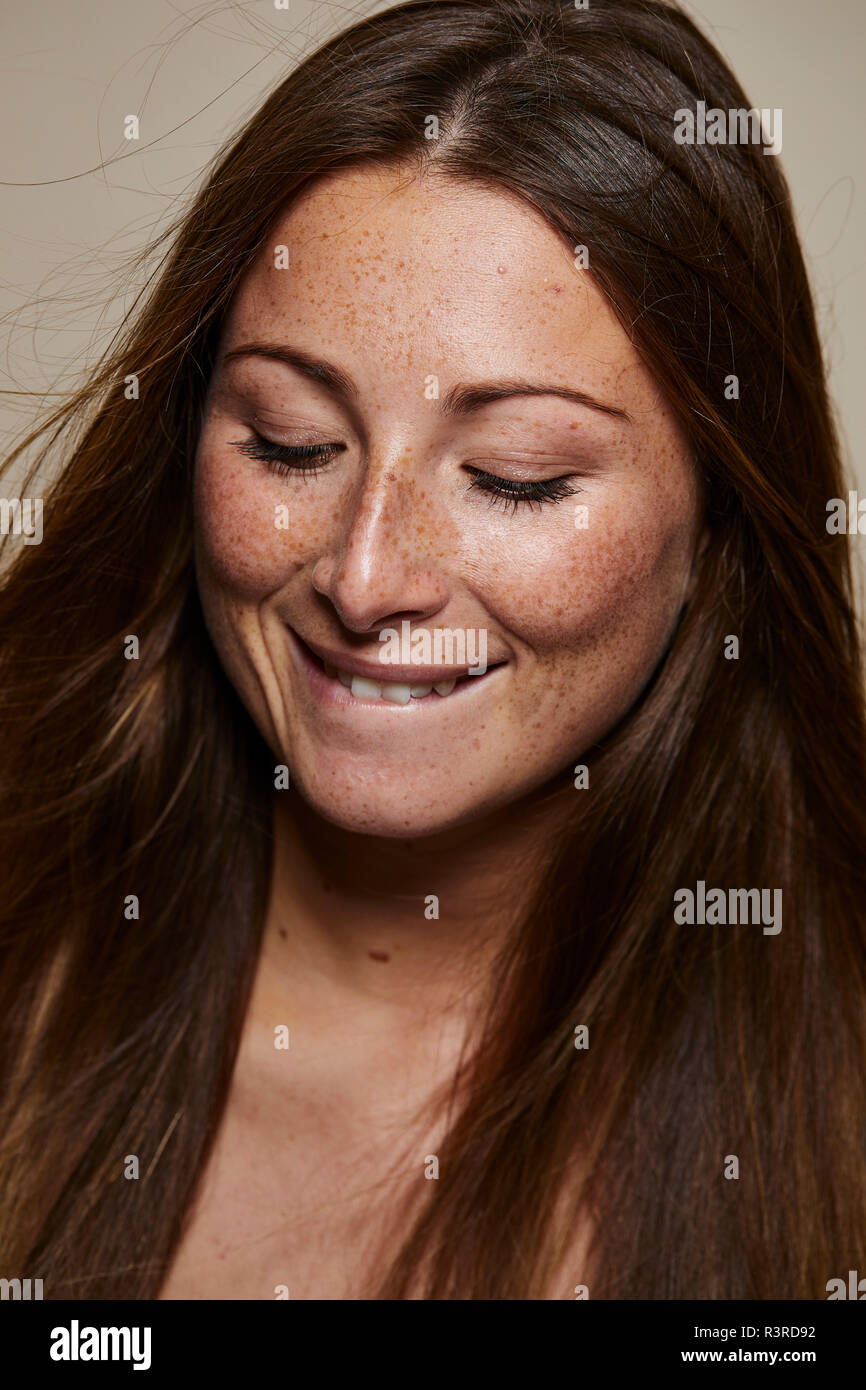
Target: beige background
<point>73,69</point>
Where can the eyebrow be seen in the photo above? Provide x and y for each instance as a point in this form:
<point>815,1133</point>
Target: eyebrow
<point>460,400</point>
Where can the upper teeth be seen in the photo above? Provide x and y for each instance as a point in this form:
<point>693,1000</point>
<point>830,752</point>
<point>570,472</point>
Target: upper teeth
<point>394,691</point>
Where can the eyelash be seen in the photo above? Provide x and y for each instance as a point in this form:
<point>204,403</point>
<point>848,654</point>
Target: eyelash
<point>288,458</point>
<point>295,458</point>
<point>514,493</point>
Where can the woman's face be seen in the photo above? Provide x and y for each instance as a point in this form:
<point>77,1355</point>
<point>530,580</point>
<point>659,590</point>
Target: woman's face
<point>411,339</point>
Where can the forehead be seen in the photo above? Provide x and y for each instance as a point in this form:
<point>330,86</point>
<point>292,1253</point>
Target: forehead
<point>432,275</point>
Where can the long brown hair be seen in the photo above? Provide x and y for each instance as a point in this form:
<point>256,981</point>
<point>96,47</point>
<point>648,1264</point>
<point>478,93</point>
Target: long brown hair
<point>145,778</point>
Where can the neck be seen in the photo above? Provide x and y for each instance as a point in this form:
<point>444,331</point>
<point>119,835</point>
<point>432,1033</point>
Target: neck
<point>406,927</point>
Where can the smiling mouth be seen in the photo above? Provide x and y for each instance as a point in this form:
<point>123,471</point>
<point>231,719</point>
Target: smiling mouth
<point>394,692</point>
<point>364,689</point>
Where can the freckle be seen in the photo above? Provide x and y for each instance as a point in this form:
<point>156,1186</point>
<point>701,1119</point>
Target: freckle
<point>379,955</point>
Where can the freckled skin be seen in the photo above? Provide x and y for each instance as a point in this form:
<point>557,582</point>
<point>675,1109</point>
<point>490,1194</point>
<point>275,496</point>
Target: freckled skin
<point>395,281</point>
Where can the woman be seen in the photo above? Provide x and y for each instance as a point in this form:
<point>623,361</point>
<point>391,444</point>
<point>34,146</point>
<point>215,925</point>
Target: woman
<point>341,965</point>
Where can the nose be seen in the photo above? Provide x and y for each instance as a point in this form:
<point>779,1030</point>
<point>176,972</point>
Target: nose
<point>386,562</point>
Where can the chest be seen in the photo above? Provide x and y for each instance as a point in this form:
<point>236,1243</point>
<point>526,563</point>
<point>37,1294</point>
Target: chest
<point>301,1208</point>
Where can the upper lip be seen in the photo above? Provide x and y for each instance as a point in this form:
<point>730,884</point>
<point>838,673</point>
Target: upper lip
<point>383,673</point>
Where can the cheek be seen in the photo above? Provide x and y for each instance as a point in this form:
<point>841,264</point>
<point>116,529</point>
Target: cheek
<point>242,544</point>
<point>614,587</point>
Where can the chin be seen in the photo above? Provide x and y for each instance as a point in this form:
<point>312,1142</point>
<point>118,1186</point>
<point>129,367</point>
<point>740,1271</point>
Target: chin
<point>392,807</point>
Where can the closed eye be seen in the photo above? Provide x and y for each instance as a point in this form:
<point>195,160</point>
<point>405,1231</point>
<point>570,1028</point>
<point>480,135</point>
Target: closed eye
<point>288,458</point>
<point>513,493</point>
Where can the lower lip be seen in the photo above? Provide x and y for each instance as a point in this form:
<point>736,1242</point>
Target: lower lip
<point>331,691</point>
